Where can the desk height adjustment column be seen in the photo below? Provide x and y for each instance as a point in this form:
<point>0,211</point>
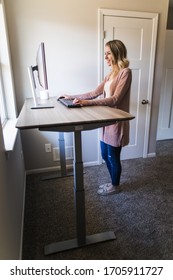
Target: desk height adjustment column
<point>79,192</point>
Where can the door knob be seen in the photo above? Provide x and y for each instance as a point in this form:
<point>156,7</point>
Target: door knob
<point>144,102</point>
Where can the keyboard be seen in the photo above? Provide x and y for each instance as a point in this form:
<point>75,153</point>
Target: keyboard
<point>68,103</point>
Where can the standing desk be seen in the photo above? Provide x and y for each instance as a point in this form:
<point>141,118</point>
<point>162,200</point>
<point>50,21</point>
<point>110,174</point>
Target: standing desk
<point>76,120</point>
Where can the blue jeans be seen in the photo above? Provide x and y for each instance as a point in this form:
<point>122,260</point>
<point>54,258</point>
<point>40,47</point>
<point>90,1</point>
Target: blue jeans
<point>111,156</point>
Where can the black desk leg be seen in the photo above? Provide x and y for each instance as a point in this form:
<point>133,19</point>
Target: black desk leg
<point>79,194</point>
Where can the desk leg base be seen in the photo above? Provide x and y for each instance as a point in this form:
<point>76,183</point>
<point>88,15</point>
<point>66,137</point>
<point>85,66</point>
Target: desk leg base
<point>73,244</point>
<point>57,176</point>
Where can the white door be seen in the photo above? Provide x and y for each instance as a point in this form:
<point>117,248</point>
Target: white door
<point>165,121</point>
<point>138,32</point>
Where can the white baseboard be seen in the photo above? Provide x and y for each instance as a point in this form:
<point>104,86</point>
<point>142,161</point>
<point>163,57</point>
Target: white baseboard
<point>92,163</point>
<point>151,155</point>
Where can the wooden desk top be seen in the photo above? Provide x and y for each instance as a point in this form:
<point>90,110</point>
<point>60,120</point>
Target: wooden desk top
<point>61,118</point>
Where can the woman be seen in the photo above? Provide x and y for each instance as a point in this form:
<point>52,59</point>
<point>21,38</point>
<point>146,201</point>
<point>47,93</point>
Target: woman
<point>115,91</point>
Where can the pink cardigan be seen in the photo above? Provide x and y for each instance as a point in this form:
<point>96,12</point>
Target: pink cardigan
<point>117,134</point>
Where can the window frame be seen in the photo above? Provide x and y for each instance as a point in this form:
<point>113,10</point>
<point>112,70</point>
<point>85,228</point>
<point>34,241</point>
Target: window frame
<point>8,103</point>
<point>3,110</point>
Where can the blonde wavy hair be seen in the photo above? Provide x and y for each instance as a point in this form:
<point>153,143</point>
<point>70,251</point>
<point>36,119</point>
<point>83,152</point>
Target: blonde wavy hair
<point>119,53</point>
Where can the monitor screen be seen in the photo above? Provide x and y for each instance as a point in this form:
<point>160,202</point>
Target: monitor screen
<point>40,84</point>
<point>41,67</point>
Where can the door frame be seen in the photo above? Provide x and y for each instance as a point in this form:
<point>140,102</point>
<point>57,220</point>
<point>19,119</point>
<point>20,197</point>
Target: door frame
<point>130,14</point>
<point>165,131</point>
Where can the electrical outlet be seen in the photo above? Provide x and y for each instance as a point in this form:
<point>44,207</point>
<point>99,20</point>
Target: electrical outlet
<point>48,148</point>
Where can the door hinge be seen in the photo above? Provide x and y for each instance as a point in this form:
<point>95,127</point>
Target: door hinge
<point>104,34</point>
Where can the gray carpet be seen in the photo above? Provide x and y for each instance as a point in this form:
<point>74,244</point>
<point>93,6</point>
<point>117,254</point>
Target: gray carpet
<point>141,216</point>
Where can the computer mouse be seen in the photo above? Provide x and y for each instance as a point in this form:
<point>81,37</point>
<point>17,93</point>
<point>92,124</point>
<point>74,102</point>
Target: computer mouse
<point>60,97</point>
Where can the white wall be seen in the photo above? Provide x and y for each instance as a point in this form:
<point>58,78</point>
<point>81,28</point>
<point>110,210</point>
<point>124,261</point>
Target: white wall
<point>70,32</point>
<point>12,182</point>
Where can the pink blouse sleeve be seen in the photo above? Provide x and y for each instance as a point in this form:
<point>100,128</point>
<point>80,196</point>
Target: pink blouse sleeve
<point>118,89</point>
<point>92,94</point>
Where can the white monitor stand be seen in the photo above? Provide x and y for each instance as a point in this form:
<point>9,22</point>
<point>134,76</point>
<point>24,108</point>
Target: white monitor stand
<point>33,87</point>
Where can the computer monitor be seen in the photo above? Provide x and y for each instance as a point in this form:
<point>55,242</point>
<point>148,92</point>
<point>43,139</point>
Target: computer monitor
<point>42,80</point>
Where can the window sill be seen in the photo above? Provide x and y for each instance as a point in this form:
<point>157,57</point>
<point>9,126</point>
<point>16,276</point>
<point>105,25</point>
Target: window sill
<point>10,134</point>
